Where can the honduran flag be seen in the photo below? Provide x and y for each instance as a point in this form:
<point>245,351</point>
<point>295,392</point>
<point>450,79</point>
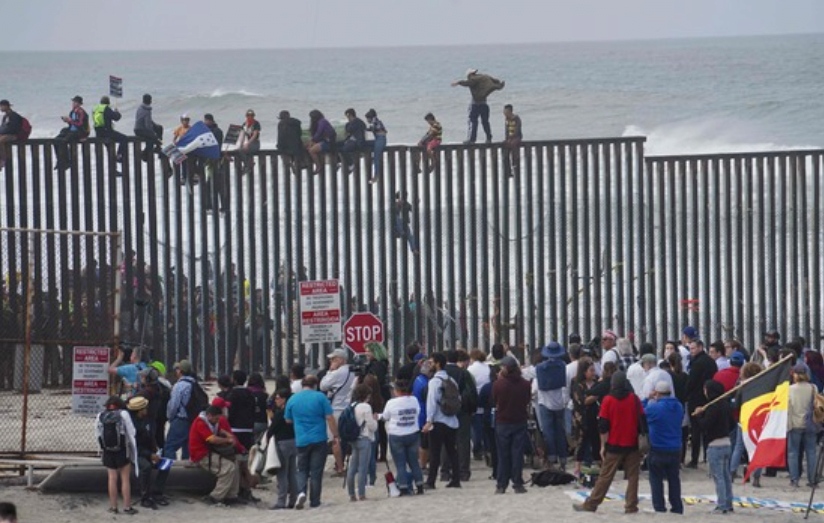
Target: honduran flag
<point>199,141</point>
<point>764,402</point>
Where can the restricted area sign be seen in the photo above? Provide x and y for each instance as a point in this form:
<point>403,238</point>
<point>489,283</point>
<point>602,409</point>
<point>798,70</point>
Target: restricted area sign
<point>362,328</point>
<point>90,380</point>
<point>320,311</point>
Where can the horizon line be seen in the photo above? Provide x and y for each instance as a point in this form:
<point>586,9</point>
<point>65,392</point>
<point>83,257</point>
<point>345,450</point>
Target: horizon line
<point>414,45</point>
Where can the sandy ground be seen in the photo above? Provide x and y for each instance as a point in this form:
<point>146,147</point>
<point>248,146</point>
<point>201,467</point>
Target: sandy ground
<point>475,502</point>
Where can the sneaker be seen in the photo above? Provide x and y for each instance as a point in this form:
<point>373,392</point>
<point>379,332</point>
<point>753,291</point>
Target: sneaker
<point>692,465</point>
<point>131,511</point>
<point>794,483</point>
<point>161,500</point>
<point>420,490</point>
<point>519,489</point>
<point>500,490</point>
<point>453,484</point>
<point>148,503</point>
<point>277,507</point>
<point>756,482</point>
<point>301,501</point>
<point>580,507</point>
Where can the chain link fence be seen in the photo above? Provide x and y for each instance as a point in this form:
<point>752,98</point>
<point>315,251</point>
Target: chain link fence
<point>59,290</point>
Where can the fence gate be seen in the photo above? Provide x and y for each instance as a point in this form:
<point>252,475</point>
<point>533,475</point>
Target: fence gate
<point>59,289</point>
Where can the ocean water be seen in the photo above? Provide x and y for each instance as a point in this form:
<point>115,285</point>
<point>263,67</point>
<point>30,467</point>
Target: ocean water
<point>687,96</point>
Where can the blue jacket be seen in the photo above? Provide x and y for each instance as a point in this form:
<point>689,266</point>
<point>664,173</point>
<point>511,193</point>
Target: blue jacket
<point>419,388</point>
<point>664,417</point>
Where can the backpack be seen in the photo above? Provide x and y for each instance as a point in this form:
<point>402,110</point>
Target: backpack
<point>25,129</point>
<point>198,401</point>
<point>451,401</point>
<point>551,374</point>
<point>348,428</point>
<point>549,477</point>
<point>113,437</point>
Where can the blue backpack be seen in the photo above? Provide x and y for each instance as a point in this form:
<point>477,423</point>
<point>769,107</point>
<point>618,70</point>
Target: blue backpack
<point>348,428</point>
<point>551,374</point>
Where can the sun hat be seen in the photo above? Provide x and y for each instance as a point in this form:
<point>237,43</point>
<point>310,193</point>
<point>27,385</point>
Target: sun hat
<point>137,403</point>
<point>553,349</point>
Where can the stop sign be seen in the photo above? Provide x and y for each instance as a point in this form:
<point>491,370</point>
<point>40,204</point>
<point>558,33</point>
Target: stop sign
<point>362,328</point>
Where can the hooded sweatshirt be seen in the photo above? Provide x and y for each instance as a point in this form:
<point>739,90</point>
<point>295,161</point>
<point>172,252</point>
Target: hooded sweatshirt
<point>143,119</point>
<point>511,395</point>
<point>619,415</point>
<point>716,420</point>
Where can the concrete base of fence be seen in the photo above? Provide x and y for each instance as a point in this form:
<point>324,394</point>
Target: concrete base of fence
<point>79,478</point>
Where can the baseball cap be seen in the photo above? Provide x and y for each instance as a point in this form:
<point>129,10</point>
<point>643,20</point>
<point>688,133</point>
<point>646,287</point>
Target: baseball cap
<point>690,332</point>
<point>663,387</point>
<point>471,71</point>
<point>5,102</point>
<point>185,366</point>
<point>737,358</point>
<point>185,116</point>
<point>648,358</point>
<point>209,117</point>
<point>509,362</point>
<point>337,353</point>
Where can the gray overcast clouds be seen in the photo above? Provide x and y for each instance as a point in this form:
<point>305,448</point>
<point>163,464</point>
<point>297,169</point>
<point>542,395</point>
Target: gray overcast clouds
<point>189,24</point>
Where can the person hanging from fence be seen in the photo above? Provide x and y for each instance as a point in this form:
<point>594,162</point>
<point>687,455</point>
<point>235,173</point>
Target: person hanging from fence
<point>116,437</point>
<point>401,218</point>
<point>128,374</point>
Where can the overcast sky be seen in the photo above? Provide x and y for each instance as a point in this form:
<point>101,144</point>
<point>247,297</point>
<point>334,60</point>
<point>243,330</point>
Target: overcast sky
<point>232,24</point>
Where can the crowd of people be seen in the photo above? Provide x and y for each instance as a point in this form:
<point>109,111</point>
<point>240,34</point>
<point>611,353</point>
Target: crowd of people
<point>301,153</point>
<point>592,405</point>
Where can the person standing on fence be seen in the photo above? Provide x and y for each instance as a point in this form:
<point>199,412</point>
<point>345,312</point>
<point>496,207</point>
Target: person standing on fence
<point>116,436</point>
<point>512,141</point>
<point>104,117</point>
<point>215,169</point>
<point>146,128</point>
<point>481,86</point>
<point>9,129</point>
<point>177,437</point>
<point>430,141</point>
<point>77,130</point>
<point>379,130</point>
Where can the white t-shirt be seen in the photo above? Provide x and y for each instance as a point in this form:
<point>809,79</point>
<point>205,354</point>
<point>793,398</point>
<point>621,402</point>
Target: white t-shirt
<point>401,415</point>
<point>365,419</point>
<point>636,375</point>
<point>338,384</point>
<point>480,371</point>
<point>653,377</point>
<point>296,386</point>
<point>571,371</point>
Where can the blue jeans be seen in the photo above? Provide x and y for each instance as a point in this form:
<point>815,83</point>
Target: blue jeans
<point>665,466</point>
<point>553,425</point>
<point>373,460</point>
<point>478,436</point>
<point>798,439</point>
<point>737,449</point>
<point>177,438</point>
<point>479,110</point>
<point>510,439</point>
<point>359,464</point>
<point>404,451</point>
<point>377,154</point>
<point>719,459</point>
<point>311,460</point>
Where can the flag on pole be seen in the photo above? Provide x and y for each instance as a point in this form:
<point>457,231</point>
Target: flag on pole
<point>199,141</point>
<point>115,87</point>
<point>764,402</point>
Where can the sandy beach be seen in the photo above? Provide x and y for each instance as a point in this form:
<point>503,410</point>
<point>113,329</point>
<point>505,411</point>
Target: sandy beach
<point>475,502</point>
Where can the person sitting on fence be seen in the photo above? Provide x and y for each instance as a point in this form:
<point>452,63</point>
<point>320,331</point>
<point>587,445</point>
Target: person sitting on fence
<point>323,138</point>
<point>512,141</point>
<point>379,130</point>
<point>104,117</point>
<point>146,128</point>
<point>129,373</point>
<point>116,436</point>
<point>290,143</point>
<point>9,129</point>
<point>77,129</point>
<point>249,142</point>
<point>354,141</point>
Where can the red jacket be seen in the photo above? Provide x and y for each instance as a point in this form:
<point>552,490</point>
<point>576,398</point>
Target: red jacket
<point>200,434</point>
<point>728,377</point>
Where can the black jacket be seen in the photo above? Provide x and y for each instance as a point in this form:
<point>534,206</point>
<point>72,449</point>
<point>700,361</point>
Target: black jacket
<point>466,386</point>
<point>715,422</point>
<point>290,140</point>
<point>11,123</point>
<point>702,369</point>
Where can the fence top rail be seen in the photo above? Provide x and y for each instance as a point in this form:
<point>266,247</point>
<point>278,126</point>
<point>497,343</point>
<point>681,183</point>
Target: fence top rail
<point>54,231</point>
<point>397,147</point>
<point>743,155</point>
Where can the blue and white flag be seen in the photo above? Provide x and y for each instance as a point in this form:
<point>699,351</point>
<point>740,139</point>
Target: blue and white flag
<point>199,141</point>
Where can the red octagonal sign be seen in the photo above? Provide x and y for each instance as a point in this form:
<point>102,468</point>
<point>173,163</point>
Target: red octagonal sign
<point>362,328</point>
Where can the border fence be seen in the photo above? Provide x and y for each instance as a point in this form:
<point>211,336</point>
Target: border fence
<point>585,235</point>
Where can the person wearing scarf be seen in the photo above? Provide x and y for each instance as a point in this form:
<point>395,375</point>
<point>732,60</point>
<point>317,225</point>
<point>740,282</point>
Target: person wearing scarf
<point>618,422</point>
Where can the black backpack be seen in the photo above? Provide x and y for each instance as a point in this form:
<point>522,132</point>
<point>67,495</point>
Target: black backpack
<point>546,478</point>
<point>113,438</point>
<point>198,401</point>
<point>450,398</point>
